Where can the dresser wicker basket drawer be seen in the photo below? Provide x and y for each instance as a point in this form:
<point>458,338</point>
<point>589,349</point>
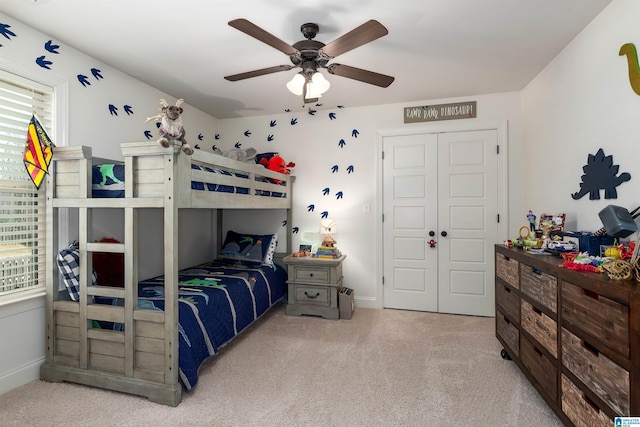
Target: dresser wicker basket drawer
<point>541,367</point>
<point>509,300</point>
<point>312,295</point>
<point>509,333</point>
<point>609,381</point>
<point>540,286</point>
<point>507,270</point>
<point>580,409</point>
<point>599,316</point>
<point>541,327</point>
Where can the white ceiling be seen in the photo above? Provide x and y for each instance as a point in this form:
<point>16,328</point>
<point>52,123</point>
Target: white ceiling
<point>434,49</point>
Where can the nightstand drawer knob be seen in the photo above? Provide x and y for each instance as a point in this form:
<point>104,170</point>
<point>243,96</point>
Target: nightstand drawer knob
<point>314,296</point>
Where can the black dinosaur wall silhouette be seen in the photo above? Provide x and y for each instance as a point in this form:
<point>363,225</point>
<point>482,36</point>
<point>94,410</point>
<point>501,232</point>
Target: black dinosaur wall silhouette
<point>600,174</point>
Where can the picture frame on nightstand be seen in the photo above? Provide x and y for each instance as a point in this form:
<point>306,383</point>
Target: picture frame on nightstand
<point>305,249</point>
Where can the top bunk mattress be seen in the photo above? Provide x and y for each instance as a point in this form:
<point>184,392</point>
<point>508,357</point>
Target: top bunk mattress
<point>107,181</point>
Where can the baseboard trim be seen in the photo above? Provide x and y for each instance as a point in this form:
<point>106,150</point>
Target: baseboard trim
<point>20,376</point>
<point>366,302</point>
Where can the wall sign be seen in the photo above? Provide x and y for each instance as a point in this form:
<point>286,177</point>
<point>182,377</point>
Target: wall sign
<point>433,113</point>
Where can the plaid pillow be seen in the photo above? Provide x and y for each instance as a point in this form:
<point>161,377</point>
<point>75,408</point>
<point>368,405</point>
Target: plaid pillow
<point>68,265</point>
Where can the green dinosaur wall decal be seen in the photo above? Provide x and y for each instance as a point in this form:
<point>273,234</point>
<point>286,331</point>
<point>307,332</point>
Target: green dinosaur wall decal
<point>629,50</point>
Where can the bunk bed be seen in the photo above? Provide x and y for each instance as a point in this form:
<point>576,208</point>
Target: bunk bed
<point>150,336</point>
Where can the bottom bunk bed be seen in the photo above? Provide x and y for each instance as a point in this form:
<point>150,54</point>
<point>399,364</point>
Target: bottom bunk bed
<point>217,300</point>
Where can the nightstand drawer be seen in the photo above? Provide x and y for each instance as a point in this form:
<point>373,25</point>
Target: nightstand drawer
<point>312,295</point>
<point>312,274</point>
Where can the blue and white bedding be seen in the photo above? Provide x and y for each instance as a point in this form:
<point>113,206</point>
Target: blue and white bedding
<point>216,302</point>
<point>108,182</point>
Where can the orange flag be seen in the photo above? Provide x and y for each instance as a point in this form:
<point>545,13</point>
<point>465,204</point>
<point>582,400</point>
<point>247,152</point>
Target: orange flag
<point>37,152</point>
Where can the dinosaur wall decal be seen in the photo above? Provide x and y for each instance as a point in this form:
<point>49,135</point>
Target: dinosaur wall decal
<point>629,50</point>
<point>600,174</point>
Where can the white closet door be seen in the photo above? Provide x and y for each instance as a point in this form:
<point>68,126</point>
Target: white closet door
<point>467,213</point>
<point>442,188</point>
<point>410,200</point>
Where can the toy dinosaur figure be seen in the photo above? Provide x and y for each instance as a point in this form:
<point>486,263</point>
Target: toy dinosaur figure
<point>600,174</point>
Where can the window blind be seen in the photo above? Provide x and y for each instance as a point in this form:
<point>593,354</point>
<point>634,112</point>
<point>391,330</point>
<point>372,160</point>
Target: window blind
<point>22,207</point>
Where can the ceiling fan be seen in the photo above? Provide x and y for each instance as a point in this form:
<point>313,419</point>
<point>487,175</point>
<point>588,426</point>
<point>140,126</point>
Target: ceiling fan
<point>311,55</point>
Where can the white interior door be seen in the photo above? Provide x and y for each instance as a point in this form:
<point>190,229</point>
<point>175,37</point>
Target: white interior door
<point>409,196</point>
<point>410,200</point>
<point>467,214</point>
<point>446,184</point>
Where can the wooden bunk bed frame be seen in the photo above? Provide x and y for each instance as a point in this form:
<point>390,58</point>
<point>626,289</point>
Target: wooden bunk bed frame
<point>142,359</point>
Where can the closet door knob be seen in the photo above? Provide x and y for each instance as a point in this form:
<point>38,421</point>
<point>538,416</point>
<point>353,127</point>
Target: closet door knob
<point>443,234</point>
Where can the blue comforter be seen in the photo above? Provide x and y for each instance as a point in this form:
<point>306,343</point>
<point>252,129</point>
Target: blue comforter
<point>216,302</point>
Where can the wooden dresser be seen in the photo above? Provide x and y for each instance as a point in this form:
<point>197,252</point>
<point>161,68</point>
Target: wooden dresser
<point>575,336</point>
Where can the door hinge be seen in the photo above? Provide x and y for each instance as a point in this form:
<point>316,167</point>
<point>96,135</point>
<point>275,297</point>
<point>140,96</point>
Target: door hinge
<point>382,280</point>
<point>382,217</point>
<point>497,149</point>
<point>383,155</point>
<point>498,218</point>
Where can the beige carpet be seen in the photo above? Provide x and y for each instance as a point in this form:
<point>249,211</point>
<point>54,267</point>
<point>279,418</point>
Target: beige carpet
<point>381,368</point>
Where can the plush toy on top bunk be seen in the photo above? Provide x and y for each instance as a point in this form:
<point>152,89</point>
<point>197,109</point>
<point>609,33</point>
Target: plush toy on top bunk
<point>274,162</point>
<point>240,154</point>
<point>171,128</point>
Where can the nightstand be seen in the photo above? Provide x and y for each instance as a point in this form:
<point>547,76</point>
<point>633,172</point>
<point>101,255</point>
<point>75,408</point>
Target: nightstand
<point>313,285</point>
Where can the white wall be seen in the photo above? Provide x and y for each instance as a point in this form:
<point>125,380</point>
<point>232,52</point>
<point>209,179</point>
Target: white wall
<point>581,102</point>
<point>312,143</point>
<point>89,122</point>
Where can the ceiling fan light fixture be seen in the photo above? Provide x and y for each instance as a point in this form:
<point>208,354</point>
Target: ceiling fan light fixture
<point>296,84</point>
<point>320,83</point>
<point>315,86</point>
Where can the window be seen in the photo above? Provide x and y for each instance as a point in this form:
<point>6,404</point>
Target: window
<point>22,207</point>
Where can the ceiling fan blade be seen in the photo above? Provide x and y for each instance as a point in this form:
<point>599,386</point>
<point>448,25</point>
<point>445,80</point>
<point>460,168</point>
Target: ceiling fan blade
<point>365,33</point>
<point>256,73</point>
<point>258,33</point>
<point>361,75</point>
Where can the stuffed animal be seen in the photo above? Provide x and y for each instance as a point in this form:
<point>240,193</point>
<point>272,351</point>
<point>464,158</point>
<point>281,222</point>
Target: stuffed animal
<point>239,154</point>
<point>109,267</point>
<point>277,164</point>
<point>171,128</point>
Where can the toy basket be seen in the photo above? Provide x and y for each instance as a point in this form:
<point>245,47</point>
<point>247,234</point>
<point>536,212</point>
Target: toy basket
<point>346,304</point>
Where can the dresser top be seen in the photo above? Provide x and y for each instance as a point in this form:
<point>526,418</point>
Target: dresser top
<point>620,290</point>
